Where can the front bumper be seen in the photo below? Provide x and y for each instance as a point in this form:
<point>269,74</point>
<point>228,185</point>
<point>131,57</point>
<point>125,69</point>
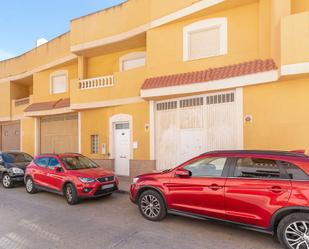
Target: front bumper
<point>133,193</point>
<point>17,177</point>
<point>96,189</point>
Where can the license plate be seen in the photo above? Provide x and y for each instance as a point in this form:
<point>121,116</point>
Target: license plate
<point>107,186</point>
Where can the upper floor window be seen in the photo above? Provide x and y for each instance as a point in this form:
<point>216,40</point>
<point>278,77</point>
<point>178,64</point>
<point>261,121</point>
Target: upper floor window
<point>59,82</point>
<point>205,39</point>
<point>132,60</point>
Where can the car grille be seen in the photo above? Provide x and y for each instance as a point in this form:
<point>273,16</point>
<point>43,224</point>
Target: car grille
<point>106,179</point>
<point>105,191</point>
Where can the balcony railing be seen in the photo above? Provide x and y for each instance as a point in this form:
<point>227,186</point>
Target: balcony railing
<point>105,81</point>
<point>23,101</point>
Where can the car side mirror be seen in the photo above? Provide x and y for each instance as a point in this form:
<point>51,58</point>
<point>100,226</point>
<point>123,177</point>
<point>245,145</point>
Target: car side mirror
<point>58,169</point>
<point>183,173</point>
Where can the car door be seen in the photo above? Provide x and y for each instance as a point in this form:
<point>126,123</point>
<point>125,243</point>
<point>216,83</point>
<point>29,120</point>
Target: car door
<point>255,189</point>
<point>203,192</point>
<point>39,171</point>
<point>53,179</point>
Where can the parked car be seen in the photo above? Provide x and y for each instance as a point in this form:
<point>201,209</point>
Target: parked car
<point>12,167</point>
<point>72,175</point>
<point>265,191</point>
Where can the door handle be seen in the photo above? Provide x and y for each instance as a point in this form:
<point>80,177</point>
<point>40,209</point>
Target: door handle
<point>123,157</point>
<point>215,187</point>
<point>276,189</point>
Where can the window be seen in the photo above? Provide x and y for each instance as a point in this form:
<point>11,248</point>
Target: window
<point>78,162</point>
<point>256,168</point>
<point>207,167</point>
<point>53,162</point>
<point>205,38</point>
<point>58,82</point>
<point>294,172</point>
<point>42,162</point>
<point>133,60</point>
<point>94,144</point>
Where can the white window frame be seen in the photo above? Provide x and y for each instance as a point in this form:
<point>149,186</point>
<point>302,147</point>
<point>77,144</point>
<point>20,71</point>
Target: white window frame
<point>57,74</point>
<point>95,143</point>
<point>204,25</point>
<point>131,56</point>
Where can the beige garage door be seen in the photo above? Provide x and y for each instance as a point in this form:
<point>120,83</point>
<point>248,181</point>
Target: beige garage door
<point>59,134</point>
<point>10,136</point>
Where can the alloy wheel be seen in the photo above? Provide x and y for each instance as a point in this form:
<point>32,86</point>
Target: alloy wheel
<point>297,235</point>
<point>29,185</point>
<point>150,206</point>
<point>69,194</point>
<point>6,181</point>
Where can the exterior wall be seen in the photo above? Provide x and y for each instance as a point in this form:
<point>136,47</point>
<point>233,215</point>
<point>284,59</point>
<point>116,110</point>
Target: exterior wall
<point>5,101</point>
<point>280,117</point>
<point>295,38</point>
<point>44,54</point>
<point>300,6</point>
<point>165,46</point>
<point>123,17</point>
<point>96,122</point>
<point>27,135</point>
<point>41,84</point>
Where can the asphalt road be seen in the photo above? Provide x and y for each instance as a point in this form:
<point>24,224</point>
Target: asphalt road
<point>45,220</point>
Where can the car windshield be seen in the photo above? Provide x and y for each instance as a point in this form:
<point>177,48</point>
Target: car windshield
<point>78,162</point>
<point>15,157</point>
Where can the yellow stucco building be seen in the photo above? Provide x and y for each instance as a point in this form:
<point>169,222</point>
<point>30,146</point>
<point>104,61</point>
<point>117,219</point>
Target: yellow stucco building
<point>148,84</point>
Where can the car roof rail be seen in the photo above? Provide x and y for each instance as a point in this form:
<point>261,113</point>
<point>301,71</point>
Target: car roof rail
<point>296,153</point>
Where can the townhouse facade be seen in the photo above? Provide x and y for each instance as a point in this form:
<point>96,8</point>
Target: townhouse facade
<point>148,84</point>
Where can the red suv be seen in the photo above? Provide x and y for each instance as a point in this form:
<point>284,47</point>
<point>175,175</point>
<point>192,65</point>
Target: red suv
<point>261,190</point>
<point>71,175</point>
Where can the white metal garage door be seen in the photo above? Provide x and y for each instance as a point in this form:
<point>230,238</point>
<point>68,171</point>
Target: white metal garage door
<point>59,134</point>
<point>187,127</point>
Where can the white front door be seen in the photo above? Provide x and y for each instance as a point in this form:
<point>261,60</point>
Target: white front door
<point>122,148</point>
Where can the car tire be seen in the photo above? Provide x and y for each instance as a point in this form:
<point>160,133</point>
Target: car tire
<point>30,186</point>
<point>70,194</point>
<point>7,181</point>
<point>293,231</point>
<point>152,205</point>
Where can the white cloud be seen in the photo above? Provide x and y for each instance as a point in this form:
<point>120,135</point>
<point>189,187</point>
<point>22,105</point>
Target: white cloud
<point>5,55</point>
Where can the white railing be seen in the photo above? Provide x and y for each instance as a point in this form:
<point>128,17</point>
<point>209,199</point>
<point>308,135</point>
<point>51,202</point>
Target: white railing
<point>105,81</point>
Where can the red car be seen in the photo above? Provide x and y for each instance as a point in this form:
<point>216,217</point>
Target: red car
<point>266,191</point>
<point>72,175</point>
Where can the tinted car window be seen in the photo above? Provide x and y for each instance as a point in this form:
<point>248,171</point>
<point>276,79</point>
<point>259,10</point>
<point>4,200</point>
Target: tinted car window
<point>256,168</point>
<point>53,162</point>
<point>294,172</point>
<point>14,157</point>
<point>42,162</point>
<point>78,162</point>
<point>207,167</point>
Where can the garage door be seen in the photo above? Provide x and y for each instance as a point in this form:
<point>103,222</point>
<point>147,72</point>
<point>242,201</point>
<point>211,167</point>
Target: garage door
<point>10,136</point>
<point>59,134</point>
<point>187,127</point>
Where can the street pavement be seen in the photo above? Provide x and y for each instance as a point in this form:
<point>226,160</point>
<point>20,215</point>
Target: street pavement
<point>45,220</point>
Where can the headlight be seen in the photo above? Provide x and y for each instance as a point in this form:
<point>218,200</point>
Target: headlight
<point>17,171</point>
<point>135,179</point>
<point>86,179</point>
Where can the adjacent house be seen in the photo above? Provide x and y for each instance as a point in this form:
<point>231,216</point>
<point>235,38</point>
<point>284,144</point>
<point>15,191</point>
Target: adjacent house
<point>148,84</point>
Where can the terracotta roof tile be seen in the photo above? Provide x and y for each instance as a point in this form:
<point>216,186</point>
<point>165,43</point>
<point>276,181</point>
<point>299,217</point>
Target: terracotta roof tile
<point>211,74</point>
<point>45,106</point>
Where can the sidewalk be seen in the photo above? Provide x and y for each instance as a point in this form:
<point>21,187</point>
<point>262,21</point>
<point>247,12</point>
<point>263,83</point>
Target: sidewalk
<point>124,184</point>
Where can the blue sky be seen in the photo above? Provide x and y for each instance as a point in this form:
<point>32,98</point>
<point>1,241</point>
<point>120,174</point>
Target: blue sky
<point>22,22</point>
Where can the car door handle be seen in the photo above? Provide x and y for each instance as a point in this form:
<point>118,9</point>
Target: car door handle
<point>215,187</point>
<point>276,189</point>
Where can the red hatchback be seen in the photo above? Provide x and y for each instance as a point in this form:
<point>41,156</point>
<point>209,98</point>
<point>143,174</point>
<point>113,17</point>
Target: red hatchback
<point>71,175</point>
<point>261,190</point>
